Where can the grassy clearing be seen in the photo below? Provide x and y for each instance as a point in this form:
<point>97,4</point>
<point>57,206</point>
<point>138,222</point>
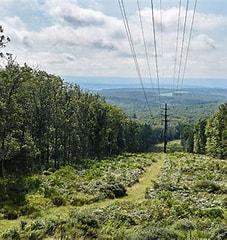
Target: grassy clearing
<point>178,196</point>
<point>56,194</point>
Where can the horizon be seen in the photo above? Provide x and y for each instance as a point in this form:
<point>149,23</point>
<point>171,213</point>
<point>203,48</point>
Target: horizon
<point>99,83</point>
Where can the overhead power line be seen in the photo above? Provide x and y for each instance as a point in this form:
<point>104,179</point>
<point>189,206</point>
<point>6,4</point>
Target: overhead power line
<point>145,45</point>
<point>161,26</point>
<point>133,52</point>
<point>182,44</point>
<point>177,45</point>
<point>189,43</point>
<point>155,49</point>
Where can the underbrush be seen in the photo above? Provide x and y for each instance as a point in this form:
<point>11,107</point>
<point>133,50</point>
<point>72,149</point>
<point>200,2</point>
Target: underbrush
<point>194,188</point>
<point>186,202</point>
<point>88,183</point>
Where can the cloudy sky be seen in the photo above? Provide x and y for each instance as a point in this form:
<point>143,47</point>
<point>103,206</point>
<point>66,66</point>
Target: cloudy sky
<point>87,37</point>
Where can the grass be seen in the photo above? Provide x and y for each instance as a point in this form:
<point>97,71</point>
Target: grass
<point>137,191</point>
<point>128,169</point>
<point>185,199</point>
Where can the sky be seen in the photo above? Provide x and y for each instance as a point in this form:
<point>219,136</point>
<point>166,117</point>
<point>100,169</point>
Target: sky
<point>87,37</point>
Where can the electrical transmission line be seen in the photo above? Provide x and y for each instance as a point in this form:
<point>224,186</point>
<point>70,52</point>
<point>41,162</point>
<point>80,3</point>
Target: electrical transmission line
<point>189,43</point>
<point>182,45</point>
<point>155,48</point>
<point>145,45</point>
<point>161,26</point>
<point>177,45</point>
<point>133,52</point>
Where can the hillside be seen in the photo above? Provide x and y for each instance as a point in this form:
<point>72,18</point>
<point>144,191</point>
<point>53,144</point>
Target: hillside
<point>193,104</point>
<point>174,196</point>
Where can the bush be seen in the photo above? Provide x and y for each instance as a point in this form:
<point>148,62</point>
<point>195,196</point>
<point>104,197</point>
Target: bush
<point>33,182</point>
<point>58,200</point>
<point>212,213</point>
<point>220,233</point>
<point>80,199</point>
<point>27,210</point>
<point>37,201</point>
<point>208,186</point>
<point>114,190</point>
<point>12,234</point>
<point>10,214</point>
<point>185,225</point>
<point>152,233</point>
<point>87,219</point>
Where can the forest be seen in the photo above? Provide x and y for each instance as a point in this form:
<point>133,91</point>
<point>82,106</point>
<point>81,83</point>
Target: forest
<point>207,136</point>
<point>46,122</point>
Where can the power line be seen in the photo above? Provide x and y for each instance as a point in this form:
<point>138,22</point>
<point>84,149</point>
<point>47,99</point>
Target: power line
<point>177,45</point>
<point>182,45</point>
<point>155,48</point>
<point>145,44</point>
<point>161,26</point>
<point>189,42</point>
<point>131,44</point>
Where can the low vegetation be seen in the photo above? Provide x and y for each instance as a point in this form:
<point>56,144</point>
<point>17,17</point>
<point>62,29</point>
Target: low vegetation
<point>187,201</point>
<point>90,182</point>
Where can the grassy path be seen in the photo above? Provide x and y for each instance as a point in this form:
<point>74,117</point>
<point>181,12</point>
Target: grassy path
<point>134,193</point>
<point>137,191</point>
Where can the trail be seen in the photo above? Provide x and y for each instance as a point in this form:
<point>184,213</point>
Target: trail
<point>137,191</point>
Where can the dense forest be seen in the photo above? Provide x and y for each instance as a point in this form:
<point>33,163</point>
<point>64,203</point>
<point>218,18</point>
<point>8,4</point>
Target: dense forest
<point>189,106</point>
<point>46,122</point>
<point>207,136</point>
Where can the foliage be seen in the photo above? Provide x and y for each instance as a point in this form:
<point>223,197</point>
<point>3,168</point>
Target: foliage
<point>215,132</point>
<point>45,123</point>
<point>207,136</point>
<point>186,202</point>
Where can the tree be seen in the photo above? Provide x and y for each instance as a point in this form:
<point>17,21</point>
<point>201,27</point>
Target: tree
<point>216,133</point>
<point>200,137</point>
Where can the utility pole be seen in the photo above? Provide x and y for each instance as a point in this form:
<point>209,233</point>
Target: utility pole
<point>165,127</point>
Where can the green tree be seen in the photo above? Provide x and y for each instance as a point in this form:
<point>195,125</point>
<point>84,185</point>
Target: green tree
<point>200,137</point>
<point>216,133</point>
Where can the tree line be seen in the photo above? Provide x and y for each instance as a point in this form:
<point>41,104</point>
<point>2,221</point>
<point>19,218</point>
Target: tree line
<point>207,136</point>
<point>45,122</point>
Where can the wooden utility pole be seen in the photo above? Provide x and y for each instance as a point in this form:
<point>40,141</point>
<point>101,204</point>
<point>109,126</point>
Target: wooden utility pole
<point>165,127</point>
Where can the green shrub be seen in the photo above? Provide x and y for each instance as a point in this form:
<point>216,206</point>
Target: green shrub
<point>152,233</point>
<point>11,234</point>
<point>80,199</point>
<point>212,213</point>
<point>220,233</point>
<point>10,214</point>
<point>33,182</point>
<point>37,201</point>
<point>87,219</point>
<point>113,190</point>
<point>58,200</point>
<point>208,186</point>
<point>28,210</point>
<point>185,225</point>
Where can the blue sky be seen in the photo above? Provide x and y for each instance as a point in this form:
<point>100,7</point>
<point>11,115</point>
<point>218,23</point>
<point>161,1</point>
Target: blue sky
<point>87,37</point>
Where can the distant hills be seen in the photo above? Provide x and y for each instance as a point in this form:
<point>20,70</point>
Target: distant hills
<point>98,83</point>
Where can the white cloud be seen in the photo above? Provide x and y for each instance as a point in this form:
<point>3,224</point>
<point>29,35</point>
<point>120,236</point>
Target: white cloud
<point>85,41</point>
